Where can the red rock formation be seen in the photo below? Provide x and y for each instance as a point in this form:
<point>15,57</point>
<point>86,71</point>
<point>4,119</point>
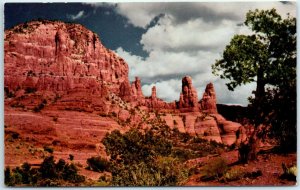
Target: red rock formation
<point>209,102</point>
<point>126,91</point>
<point>153,93</point>
<point>56,56</point>
<point>188,100</point>
<point>137,88</point>
<point>68,60</point>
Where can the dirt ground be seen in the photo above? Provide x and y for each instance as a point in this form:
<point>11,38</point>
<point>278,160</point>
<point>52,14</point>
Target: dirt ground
<point>269,164</point>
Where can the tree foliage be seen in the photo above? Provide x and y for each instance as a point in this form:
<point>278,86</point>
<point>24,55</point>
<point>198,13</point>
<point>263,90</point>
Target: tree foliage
<point>143,159</point>
<point>50,173</point>
<point>267,57</point>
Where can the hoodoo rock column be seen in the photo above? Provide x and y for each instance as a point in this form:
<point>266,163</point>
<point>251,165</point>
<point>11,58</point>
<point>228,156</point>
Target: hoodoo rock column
<point>209,101</point>
<point>188,98</point>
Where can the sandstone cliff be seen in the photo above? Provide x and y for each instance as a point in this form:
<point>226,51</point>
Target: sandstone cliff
<point>56,56</point>
<point>57,67</point>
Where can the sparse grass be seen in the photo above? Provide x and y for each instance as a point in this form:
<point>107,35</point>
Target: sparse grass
<point>17,105</point>
<point>233,174</point>
<point>214,169</point>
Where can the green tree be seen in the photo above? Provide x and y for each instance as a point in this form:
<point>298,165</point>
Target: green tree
<point>267,57</point>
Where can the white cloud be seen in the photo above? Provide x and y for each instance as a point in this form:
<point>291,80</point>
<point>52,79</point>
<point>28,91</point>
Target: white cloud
<point>191,35</point>
<point>169,90</point>
<point>186,40</point>
<point>141,14</point>
<point>79,15</point>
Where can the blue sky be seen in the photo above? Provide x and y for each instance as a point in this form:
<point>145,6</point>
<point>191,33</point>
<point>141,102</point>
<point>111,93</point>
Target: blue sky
<point>161,42</point>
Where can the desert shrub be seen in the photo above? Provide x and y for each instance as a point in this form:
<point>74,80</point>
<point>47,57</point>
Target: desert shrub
<point>19,175</point>
<point>12,135</point>
<point>48,149</point>
<point>29,90</point>
<point>214,169</point>
<point>163,171</point>
<point>55,118</point>
<point>198,140</point>
<point>216,144</point>
<point>233,175</point>
<point>134,146</point>
<point>175,131</point>
<point>16,178</point>
<point>48,168</point>
<point>143,159</point>
<point>289,173</point>
<point>8,93</point>
<point>175,122</point>
<point>48,174</point>
<point>253,175</point>
<point>71,157</point>
<point>97,164</point>
<point>185,137</point>
<point>17,105</point>
<point>103,180</point>
<point>170,171</point>
<point>39,107</point>
<point>183,154</point>
<point>70,174</point>
<point>114,114</point>
<point>7,176</point>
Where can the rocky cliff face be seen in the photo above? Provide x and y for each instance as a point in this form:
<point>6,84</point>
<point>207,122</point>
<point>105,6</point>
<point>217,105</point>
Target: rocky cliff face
<point>57,56</point>
<point>63,67</point>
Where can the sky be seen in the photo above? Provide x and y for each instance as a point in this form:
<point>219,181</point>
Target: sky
<point>161,42</point>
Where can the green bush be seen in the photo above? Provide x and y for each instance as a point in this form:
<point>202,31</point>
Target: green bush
<point>48,174</point>
<point>163,171</point>
<point>289,173</point>
<point>48,149</point>
<point>214,169</point>
<point>8,93</point>
<point>143,159</point>
<point>71,157</point>
<point>183,154</point>
<point>97,164</point>
<point>134,146</point>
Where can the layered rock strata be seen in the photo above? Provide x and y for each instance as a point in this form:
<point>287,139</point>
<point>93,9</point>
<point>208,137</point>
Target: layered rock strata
<point>66,67</point>
<point>56,56</point>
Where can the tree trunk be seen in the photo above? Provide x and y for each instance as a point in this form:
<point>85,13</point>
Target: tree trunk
<point>248,151</point>
<point>259,98</point>
<point>260,88</point>
<point>253,144</point>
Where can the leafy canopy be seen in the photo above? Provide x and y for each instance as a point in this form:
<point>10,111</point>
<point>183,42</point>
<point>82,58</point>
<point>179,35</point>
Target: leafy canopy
<point>268,55</point>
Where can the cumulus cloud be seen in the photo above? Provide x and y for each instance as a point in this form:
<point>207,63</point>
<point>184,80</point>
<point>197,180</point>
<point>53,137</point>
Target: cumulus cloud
<point>77,16</point>
<point>141,14</point>
<point>169,90</point>
<point>186,39</point>
<point>188,36</point>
